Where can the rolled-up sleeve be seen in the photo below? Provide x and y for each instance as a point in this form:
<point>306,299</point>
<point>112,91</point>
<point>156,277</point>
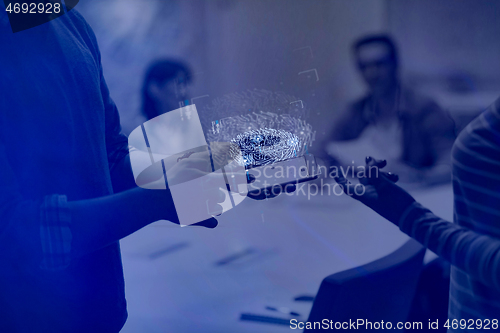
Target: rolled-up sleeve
<point>55,232</point>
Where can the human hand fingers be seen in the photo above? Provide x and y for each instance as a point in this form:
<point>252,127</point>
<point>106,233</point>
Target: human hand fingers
<point>348,187</point>
<point>200,162</point>
<point>265,193</point>
<point>208,223</point>
<point>370,161</point>
<point>181,175</point>
<point>391,176</point>
<point>262,194</point>
<point>378,177</point>
<point>272,192</point>
<point>289,188</point>
<point>250,178</point>
<point>213,207</point>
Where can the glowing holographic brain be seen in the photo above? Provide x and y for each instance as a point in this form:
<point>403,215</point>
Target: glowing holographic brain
<point>264,146</point>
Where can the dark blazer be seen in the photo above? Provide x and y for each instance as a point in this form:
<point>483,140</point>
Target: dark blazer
<point>428,130</point>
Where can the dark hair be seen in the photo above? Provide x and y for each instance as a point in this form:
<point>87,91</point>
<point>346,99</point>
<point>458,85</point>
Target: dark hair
<point>378,39</point>
<point>161,71</point>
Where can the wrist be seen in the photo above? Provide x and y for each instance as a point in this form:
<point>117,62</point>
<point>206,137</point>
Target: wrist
<point>160,205</point>
<point>412,213</point>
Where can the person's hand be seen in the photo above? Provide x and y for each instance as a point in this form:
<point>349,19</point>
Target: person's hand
<point>190,166</point>
<point>193,166</point>
<point>198,165</point>
<point>271,192</point>
<point>378,190</point>
<point>208,223</point>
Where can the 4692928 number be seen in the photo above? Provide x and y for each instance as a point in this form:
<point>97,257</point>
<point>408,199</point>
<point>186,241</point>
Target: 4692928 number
<point>471,324</point>
<point>34,8</point>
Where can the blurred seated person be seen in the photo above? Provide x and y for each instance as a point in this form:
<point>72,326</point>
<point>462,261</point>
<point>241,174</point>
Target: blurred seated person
<point>407,129</point>
<point>164,89</point>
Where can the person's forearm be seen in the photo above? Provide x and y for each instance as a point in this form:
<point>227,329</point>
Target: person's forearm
<point>475,253</point>
<point>122,177</point>
<point>98,222</point>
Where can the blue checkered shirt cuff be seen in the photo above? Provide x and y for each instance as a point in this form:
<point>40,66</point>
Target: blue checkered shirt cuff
<point>55,232</point>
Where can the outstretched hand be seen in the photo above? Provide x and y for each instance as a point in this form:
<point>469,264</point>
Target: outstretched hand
<point>189,167</point>
<point>378,191</point>
<point>271,192</point>
<point>197,165</point>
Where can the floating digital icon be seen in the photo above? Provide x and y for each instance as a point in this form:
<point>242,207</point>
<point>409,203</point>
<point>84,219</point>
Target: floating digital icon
<point>170,152</point>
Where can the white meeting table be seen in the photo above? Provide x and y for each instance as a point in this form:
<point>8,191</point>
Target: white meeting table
<point>262,255</point>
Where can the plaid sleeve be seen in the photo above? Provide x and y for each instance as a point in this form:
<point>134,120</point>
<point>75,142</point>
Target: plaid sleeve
<point>55,232</point>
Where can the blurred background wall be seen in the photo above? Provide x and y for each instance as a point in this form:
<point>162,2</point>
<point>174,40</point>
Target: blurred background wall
<point>449,48</point>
